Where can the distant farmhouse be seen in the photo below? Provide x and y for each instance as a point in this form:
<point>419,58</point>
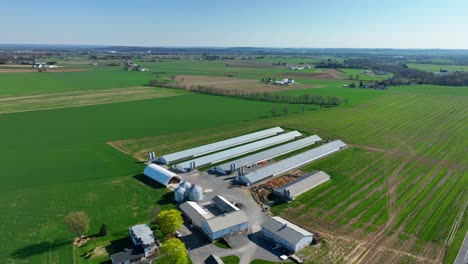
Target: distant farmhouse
<point>130,66</point>
<point>286,234</point>
<point>144,246</point>
<point>216,219</point>
<point>44,64</point>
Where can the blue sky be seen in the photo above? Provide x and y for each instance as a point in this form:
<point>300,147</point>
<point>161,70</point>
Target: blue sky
<point>234,23</point>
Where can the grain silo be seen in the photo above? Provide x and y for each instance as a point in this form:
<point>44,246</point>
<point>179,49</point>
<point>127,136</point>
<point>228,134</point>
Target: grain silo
<point>179,194</point>
<point>187,185</point>
<point>195,193</point>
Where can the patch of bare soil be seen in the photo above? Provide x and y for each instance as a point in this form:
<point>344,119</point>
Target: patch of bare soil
<point>248,64</point>
<point>236,83</point>
<point>263,193</point>
<point>327,74</point>
<point>79,98</point>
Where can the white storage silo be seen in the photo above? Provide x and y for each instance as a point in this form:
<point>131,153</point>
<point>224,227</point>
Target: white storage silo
<point>179,194</point>
<point>195,193</point>
<point>187,185</point>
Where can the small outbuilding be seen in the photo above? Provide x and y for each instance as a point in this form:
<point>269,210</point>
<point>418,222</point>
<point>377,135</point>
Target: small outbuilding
<point>161,175</point>
<point>288,235</point>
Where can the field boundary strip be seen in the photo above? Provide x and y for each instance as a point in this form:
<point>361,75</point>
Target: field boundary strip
<point>81,98</point>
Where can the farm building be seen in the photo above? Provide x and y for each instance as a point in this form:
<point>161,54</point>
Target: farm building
<point>161,175</point>
<point>144,246</point>
<point>235,152</point>
<point>252,160</point>
<point>143,236</point>
<point>286,234</point>
<point>220,145</point>
<point>292,162</point>
<point>128,255</point>
<point>216,219</point>
<point>295,188</point>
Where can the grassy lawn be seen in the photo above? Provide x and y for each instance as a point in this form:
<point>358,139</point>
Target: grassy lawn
<point>261,261</point>
<point>230,259</point>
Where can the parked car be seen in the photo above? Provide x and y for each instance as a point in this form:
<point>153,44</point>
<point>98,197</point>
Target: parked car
<point>283,257</point>
<point>177,233</point>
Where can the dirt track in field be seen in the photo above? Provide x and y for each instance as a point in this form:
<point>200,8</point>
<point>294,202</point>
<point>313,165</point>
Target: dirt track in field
<point>327,74</point>
<point>248,64</point>
<point>237,83</point>
<point>21,70</point>
<point>80,98</point>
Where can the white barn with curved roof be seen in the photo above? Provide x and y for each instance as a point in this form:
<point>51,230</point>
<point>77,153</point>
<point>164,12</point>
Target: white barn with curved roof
<point>161,175</point>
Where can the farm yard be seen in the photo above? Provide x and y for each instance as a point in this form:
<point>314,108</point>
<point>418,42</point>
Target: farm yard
<point>393,197</point>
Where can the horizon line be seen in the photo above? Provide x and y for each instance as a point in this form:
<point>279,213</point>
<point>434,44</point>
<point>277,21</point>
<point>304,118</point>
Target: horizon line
<point>216,47</point>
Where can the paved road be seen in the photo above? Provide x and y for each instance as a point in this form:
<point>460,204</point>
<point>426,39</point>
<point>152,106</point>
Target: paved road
<point>248,246</point>
<point>462,257</point>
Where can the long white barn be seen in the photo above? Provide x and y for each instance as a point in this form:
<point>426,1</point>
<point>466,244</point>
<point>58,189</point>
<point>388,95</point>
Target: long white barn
<point>231,166</point>
<point>235,152</point>
<point>292,162</point>
<point>220,145</point>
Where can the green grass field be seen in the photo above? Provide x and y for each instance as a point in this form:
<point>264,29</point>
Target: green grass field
<point>56,161</point>
<point>406,164</point>
<point>436,67</point>
<point>17,84</point>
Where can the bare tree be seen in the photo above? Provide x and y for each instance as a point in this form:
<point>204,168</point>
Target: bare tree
<point>77,222</point>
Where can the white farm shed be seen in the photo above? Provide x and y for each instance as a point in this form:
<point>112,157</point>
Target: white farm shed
<point>286,234</point>
<point>161,175</point>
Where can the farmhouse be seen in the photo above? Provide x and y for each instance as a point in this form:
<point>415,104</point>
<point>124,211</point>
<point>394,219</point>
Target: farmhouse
<point>286,234</point>
<point>216,219</point>
<point>144,246</point>
<point>293,189</point>
<point>143,236</point>
<point>128,255</point>
<point>161,175</point>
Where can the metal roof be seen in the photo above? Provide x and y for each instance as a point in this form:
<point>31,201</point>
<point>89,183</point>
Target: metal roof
<point>160,174</point>
<point>192,210</point>
<point>227,220</point>
<point>224,204</point>
<point>143,233</point>
<point>285,229</point>
<point>131,253</point>
<point>303,184</point>
<point>209,148</point>
<point>237,151</point>
<point>292,162</point>
<point>267,154</point>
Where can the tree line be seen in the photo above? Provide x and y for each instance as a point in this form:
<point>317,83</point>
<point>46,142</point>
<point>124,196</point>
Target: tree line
<point>256,96</point>
<point>403,75</point>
